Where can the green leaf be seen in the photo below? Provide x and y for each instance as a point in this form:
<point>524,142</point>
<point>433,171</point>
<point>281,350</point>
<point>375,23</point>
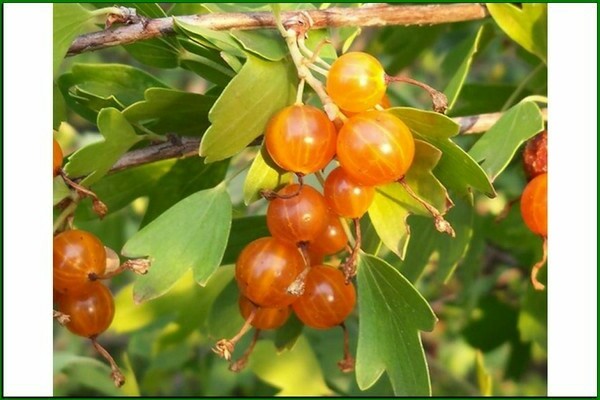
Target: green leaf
<point>191,234</point>
<point>484,378</point>
<point>496,148</point>
<point>85,371</point>
<point>528,25</point>
<point>205,61</point>
<point>287,336</point>
<point>59,107</point>
<point>243,231</point>
<point>183,179</point>
<point>456,169</point>
<point>96,159</point>
<point>533,316</point>
<point>172,111</point>
<point>263,174</point>
<point>224,318</point>
<point>493,323</point>
<point>281,369</point>
<point>90,87</point>
<point>391,313</point>
<point>173,307</point>
<point>60,190</point>
<point>482,98</point>
<point>460,60</point>
<point>267,44</point>
<point>427,241</point>
<point>392,203</point>
<point>68,21</point>
<point>242,111</point>
<point>158,53</point>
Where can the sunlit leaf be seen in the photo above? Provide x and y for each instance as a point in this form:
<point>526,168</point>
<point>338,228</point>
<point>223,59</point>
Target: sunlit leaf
<point>191,234</point>
<point>527,25</point>
<point>263,174</point>
<point>68,22</point>
<point>391,312</point>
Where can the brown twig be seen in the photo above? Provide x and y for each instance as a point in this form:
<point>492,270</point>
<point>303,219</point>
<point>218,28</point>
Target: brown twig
<point>439,99</point>
<point>116,374</point>
<point>474,124</point>
<point>383,15</point>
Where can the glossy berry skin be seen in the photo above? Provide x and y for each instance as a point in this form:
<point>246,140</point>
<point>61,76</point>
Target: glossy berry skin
<point>534,205</point>
<point>297,219</point>
<point>57,158</point>
<point>332,240</point>
<point>264,270</point>
<point>375,148</point>
<point>356,82</point>
<point>535,156</point>
<point>300,138</point>
<point>264,318</point>
<point>76,254</point>
<point>327,300</point>
<point>91,311</point>
<point>345,197</point>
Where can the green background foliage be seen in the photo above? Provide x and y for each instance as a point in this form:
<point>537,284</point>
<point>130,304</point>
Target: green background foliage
<point>436,315</point>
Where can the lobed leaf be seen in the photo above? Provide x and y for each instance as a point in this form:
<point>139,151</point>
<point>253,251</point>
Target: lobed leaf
<point>190,235</point>
<point>67,21</point>
<point>391,312</point>
<point>96,159</point>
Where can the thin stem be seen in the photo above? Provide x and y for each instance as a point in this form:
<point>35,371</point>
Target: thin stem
<point>318,69</point>
<point>116,374</point>
<point>225,347</point>
<point>320,178</point>
<point>150,135</point>
<point>241,363</point>
<point>521,87</point>
<point>440,223</point>
<point>300,93</point>
<point>347,363</point>
<point>313,57</point>
<point>99,207</point>
<point>349,266</point>
<point>439,99</point>
<point>64,215</point>
<point>537,285</point>
<point>139,266</point>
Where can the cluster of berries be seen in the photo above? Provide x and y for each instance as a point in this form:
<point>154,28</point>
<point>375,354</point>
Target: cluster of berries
<point>286,271</point>
<point>83,304</point>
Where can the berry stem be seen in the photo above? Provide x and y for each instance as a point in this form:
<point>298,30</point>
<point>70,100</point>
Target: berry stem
<point>347,363</point>
<point>116,374</point>
<point>64,216</point>
<point>300,92</point>
<point>240,364</point>
<point>225,347</point>
<point>293,29</point>
<point>439,99</point>
<point>349,266</point>
<point>440,223</point>
<point>537,285</point>
<point>313,57</point>
<point>99,207</point>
